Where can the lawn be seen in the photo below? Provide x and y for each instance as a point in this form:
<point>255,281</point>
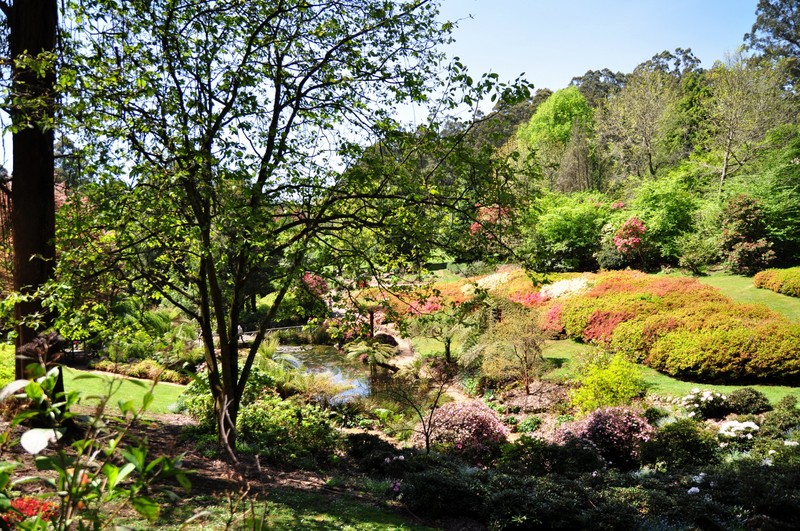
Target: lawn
<point>92,385</point>
<point>742,290</point>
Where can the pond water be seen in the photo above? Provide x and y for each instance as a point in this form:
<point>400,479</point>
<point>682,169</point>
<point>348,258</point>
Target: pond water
<point>335,364</point>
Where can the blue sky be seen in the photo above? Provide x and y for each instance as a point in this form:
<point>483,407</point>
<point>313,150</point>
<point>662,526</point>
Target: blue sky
<point>552,41</point>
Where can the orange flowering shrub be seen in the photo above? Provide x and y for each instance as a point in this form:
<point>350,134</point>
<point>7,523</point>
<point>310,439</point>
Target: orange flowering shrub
<point>784,281</point>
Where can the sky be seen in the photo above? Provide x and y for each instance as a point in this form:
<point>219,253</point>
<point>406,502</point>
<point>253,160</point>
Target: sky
<point>552,41</point>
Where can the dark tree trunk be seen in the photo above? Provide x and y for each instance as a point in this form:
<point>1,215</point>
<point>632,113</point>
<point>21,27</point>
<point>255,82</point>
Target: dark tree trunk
<point>32,30</point>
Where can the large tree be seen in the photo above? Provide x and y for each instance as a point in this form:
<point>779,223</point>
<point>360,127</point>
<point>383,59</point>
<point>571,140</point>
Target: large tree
<point>638,119</point>
<point>746,100</point>
<point>232,134</point>
<point>30,27</point>
<point>776,32</point>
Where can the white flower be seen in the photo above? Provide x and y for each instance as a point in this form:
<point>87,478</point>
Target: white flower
<point>695,390</point>
<point>791,443</point>
<point>772,452</point>
<point>766,462</point>
<point>699,478</point>
<point>693,490</point>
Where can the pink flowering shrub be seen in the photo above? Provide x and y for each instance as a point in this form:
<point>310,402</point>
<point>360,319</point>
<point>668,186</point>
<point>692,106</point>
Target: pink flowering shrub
<point>315,284</point>
<point>426,306</point>
<point>617,432</point>
<point>468,429</point>
<point>528,299</point>
<point>488,215</point>
<point>552,322</point>
<point>629,236</point>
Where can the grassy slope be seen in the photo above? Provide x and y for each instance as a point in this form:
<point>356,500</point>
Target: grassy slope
<point>742,290</point>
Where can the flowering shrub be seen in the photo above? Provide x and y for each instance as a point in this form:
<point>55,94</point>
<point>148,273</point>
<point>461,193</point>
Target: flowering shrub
<point>563,288</point>
<point>488,215</point>
<point>785,281</point>
<point>628,237</point>
<point>617,432</point>
<point>551,321</point>
<point>705,404</point>
<point>469,429</point>
<point>29,507</point>
<point>315,284</point>
<point>426,306</point>
<point>528,299</point>
<point>737,435</point>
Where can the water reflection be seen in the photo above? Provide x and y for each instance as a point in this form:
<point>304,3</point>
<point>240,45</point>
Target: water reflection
<point>329,361</point>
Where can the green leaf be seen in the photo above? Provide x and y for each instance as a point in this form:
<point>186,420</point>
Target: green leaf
<point>147,508</point>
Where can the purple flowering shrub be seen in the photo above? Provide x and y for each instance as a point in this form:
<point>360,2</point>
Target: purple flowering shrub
<point>617,432</point>
<point>468,429</point>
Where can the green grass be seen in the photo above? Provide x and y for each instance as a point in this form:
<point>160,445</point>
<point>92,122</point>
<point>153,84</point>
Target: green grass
<point>91,386</point>
<point>742,290</point>
<point>565,354</point>
<point>284,509</point>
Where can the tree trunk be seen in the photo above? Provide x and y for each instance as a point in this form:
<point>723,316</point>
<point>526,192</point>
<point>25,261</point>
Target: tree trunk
<point>32,25</point>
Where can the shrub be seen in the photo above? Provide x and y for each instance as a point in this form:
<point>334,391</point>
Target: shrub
<point>682,443</point>
<point>783,420</point>
<point>744,236</point>
<point>785,281</point>
<point>571,457</point>
<point>737,435</point>
<point>705,404</point>
<point>617,432</point>
<point>286,430</point>
<point>747,401</point>
<point>443,491</point>
<point>468,429</point>
<point>616,383</point>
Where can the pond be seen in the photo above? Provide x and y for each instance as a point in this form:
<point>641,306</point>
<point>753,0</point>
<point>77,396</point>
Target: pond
<point>333,363</point>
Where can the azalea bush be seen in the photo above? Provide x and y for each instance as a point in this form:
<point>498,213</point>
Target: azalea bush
<point>468,429</point>
<point>617,432</point>
<point>785,281</point>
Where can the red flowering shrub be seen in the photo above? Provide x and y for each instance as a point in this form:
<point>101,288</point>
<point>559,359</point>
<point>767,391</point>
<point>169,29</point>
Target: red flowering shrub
<point>617,432</point>
<point>29,507</point>
<point>425,306</point>
<point>469,429</point>
<point>602,324</point>
<point>628,237</point>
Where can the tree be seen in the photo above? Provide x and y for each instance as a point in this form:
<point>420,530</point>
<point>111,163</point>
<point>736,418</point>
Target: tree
<point>31,35</point>
<point>638,119</point>
<point>776,32</point>
<point>233,138</point>
<point>563,116</point>
<point>746,101</point>
<point>513,348</point>
<point>598,85</point>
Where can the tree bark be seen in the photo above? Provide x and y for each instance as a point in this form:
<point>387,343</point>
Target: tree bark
<point>32,32</point>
